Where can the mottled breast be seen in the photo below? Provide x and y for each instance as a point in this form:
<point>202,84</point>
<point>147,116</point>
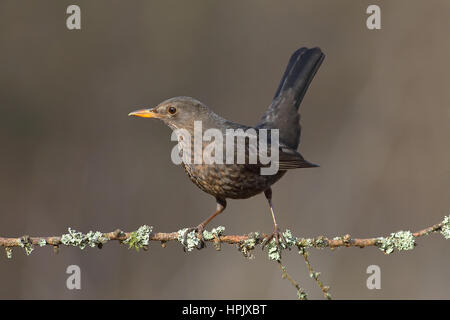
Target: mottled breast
<point>232,181</point>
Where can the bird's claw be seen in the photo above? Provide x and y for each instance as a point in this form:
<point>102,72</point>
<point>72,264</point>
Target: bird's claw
<point>280,241</point>
<point>199,231</point>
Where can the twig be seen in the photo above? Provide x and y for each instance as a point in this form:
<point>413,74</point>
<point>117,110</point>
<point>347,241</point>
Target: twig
<point>317,242</point>
<point>301,293</point>
<point>315,275</point>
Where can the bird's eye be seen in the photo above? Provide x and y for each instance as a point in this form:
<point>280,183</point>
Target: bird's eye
<point>172,110</point>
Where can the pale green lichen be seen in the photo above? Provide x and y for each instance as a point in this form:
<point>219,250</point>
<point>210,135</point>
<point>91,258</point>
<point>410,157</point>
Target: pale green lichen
<point>249,244</point>
<point>8,251</point>
<point>78,239</point>
<point>273,251</point>
<point>320,242</point>
<point>302,295</point>
<point>42,242</point>
<point>445,230</point>
<point>188,239</point>
<point>401,240</point>
<point>216,232</point>
<point>305,243</point>
<point>214,235</point>
<point>289,239</point>
<point>26,244</point>
<point>286,241</point>
<point>140,238</point>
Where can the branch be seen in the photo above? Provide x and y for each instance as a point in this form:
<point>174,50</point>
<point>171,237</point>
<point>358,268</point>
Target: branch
<point>401,240</point>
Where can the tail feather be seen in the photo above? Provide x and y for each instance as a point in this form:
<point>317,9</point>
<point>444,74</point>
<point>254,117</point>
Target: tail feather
<point>299,73</point>
<point>292,60</point>
<point>283,114</point>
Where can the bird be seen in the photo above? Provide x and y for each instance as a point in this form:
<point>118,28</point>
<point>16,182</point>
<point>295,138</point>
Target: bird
<point>244,180</point>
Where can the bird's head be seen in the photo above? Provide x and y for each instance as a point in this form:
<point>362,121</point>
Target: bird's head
<point>177,113</point>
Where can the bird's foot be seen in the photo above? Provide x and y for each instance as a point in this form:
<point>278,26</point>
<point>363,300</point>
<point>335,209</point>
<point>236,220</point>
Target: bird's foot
<point>199,231</point>
<point>280,241</point>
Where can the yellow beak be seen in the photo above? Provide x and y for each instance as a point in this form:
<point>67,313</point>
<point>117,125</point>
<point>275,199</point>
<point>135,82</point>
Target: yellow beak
<point>145,113</point>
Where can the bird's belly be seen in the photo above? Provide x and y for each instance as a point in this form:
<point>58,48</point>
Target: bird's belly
<point>230,181</point>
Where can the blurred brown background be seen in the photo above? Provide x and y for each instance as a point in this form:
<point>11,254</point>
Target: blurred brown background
<point>376,118</point>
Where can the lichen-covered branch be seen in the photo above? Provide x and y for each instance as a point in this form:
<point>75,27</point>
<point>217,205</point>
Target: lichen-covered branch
<point>401,240</point>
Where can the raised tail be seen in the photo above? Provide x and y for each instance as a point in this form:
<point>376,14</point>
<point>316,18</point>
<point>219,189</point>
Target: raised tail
<point>283,114</point>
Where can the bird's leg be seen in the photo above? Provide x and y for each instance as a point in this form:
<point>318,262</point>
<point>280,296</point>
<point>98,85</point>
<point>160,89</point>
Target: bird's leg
<point>221,205</point>
<point>276,231</point>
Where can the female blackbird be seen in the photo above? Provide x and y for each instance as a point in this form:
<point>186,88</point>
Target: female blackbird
<point>243,180</point>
